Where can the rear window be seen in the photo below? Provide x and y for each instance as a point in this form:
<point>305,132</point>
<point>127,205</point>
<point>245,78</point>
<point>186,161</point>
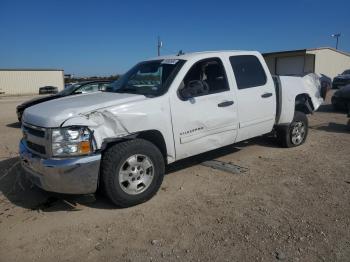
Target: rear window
<point>248,71</point>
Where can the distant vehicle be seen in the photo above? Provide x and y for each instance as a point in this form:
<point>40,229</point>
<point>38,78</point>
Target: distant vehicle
<point>341,80</point>
<point>48,90</point>
<point>341,99</point>
<point>79,88</point>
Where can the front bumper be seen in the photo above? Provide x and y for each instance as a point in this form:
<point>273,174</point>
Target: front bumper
<point>77,175</point>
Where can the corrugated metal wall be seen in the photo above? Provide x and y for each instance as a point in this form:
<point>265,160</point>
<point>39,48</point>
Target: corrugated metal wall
<point>25,82</point>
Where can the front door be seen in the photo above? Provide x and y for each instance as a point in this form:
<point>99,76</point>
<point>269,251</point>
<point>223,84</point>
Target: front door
<point>208,119</point>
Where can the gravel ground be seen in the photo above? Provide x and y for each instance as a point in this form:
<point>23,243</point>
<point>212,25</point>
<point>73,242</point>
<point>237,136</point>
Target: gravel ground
<point>292,205</point>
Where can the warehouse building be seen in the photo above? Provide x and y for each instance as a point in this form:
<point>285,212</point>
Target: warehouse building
<point>28,81</point>
<point>324,60</point>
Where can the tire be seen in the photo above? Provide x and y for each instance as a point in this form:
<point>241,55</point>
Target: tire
<point>289,135</point>
<point>131,172</point>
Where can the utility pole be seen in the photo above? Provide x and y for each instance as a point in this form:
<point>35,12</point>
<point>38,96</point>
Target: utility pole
<point>337,35</point>
<point>159,45</point>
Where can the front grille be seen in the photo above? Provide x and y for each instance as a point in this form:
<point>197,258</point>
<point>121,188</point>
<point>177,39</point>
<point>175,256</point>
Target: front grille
<point>37,148</point>
<point>36,139</point>
<point>35,132</point>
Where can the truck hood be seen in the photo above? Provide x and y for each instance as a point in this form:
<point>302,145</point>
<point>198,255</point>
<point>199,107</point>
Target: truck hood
<point>53,113</point>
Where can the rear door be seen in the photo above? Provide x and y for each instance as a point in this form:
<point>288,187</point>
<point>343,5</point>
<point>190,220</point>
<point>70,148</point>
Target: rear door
<point>208,120</point>
<point>256,98</point>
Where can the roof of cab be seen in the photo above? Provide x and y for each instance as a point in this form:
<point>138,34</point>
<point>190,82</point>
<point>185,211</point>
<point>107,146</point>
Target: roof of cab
<point>204,54</point>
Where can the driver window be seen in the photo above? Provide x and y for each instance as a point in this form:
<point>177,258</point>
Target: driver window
<point>209,74</point>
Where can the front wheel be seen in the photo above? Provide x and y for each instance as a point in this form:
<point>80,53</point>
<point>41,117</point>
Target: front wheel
<point>131,172</point>
<point>295,134</point>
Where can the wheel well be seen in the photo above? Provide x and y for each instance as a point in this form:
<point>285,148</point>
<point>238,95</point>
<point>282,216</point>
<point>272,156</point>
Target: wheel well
<point>303,104</point>
<point>153,136</point>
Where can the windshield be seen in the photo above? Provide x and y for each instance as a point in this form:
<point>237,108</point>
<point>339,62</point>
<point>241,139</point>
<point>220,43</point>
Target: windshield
<point>69,90</point>
<point>346,72</point>
<point>151,78</point>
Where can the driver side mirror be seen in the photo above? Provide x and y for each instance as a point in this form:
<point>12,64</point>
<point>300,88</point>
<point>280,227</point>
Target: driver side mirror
<point>185,93</point>
<point>194,88</point>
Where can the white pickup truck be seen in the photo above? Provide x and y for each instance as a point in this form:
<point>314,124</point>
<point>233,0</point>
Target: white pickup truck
<point>162,110</point>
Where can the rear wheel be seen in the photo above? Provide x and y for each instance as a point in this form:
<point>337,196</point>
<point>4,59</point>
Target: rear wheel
<point>295,134</point>
<point>132,172</point>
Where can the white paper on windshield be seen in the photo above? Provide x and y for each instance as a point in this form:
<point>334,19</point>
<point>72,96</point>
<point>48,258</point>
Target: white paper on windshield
<point>170,61</point>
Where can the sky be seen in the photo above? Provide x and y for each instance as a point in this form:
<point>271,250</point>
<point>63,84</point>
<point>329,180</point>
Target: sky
<point>105,37</point>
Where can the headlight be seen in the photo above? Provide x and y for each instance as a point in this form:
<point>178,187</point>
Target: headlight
<point>71,141</point>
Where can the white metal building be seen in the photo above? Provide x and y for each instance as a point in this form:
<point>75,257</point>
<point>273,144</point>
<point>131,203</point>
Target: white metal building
<point>324,60</point>
<point>28,81</point>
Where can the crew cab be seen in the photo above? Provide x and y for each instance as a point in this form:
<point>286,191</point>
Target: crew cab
<point>164,109</point>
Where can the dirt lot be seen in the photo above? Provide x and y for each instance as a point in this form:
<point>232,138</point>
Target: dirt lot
<point>292,205</point>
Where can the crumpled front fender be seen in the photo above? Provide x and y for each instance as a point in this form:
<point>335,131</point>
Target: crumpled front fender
<point>103,123</point>
<point>113,123</point>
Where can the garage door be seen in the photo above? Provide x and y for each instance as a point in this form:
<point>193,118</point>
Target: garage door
<point>290,65</point>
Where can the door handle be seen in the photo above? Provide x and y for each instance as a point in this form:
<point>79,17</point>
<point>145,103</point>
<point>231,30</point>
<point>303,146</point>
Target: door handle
<point>265,95</point>
<point>226,103</point>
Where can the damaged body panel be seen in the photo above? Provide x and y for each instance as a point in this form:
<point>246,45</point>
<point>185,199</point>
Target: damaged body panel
<point>108,115</point>
<point>291,87</point>
<point>122,120</point>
